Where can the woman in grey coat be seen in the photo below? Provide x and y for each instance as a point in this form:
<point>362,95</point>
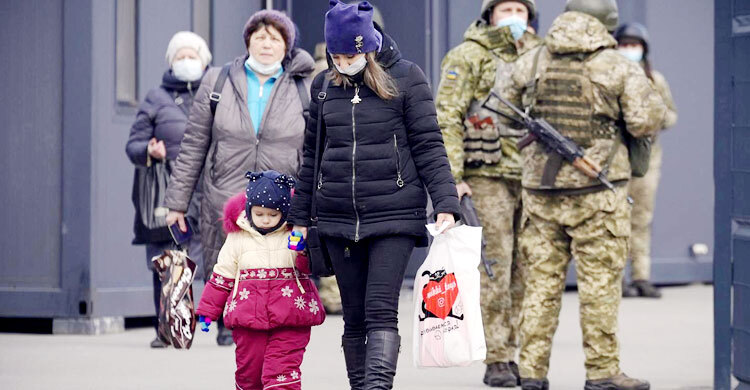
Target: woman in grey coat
<point>259,125</point>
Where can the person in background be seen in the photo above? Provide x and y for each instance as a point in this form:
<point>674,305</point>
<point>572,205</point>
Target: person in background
<point>258,125</point>
<point>486,165</point>
<point>156,135</point>
<point>329,289</point>
<point>383,147</point>
<point>633,43</point>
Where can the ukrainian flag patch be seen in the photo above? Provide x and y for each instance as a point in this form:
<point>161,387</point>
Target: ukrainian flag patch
<point>451,75</point>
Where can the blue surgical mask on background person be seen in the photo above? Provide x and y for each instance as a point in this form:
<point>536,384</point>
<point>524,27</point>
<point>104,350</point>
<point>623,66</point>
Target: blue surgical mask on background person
<point>188,69</point>
<point>516,23</point>
<point>354,68</point>
<point>634,54</point>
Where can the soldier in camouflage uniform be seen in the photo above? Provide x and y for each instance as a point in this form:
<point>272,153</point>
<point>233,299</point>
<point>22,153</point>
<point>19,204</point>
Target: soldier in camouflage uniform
<point>580,84</point>
<point>632,40</point>
<point>486,164</point>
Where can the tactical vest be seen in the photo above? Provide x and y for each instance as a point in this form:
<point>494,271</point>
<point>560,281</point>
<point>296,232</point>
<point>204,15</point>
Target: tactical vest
<point>484,130</point>
<point>563,95</point>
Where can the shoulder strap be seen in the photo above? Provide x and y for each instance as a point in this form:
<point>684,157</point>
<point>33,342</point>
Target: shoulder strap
<point>531,85</point>
<point>318,154</point>
<point>303,94</point>
<point>215,96</point>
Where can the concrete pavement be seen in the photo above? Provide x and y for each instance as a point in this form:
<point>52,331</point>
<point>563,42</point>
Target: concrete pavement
<point>667,341</point>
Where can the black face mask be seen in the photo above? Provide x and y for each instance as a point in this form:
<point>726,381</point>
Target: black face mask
<point>263,231</point>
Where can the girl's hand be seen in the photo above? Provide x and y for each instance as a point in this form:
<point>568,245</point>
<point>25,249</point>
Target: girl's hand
<point>445,218</point>
<point>157,149</point>
<point>301,229</point>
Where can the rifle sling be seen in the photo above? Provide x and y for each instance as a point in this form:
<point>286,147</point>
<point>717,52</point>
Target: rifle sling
<point>574,191</point>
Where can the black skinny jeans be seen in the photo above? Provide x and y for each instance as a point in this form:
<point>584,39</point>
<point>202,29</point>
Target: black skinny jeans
<point>369,274</point>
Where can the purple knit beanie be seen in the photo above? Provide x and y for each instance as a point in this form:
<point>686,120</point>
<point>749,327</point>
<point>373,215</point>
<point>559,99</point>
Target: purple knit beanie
<point>278,20</point>
<point>349,28</point>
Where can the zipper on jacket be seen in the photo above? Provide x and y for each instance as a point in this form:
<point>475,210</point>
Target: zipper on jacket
<point>399,181</point>
<point>320,169</point>
<point>355,100</point>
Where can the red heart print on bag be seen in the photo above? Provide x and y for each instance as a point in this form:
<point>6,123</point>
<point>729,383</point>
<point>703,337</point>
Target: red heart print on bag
<point>440,295</point>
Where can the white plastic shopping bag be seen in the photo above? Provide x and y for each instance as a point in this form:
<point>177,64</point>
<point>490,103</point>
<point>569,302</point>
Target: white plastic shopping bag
<point>448,329</point>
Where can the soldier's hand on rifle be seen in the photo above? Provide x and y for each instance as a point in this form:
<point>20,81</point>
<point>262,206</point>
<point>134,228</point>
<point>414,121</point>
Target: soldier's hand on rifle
<point>463,189</point>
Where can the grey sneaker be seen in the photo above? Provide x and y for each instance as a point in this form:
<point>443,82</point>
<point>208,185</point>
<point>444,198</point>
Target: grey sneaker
<point>158,343</point>
<point>618,382</point>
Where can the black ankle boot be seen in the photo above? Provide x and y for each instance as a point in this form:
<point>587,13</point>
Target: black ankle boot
<point>354,355</point>
<point>382,356</point>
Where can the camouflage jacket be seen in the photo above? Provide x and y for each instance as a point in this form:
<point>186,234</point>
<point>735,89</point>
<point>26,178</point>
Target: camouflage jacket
<point>468,73</point>
<point>618,89</point>
<point>661,86</point>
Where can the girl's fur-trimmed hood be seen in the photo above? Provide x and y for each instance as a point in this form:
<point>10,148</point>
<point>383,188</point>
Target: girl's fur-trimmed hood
<point>232,211</point>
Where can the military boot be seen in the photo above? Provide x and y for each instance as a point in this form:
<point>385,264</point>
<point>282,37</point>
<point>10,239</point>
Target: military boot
<point>618,382</point>
<point>514,368</point>
<point>628,290</point>
<point>499,375</point>
<point>354,356</point>
<point>534,384</point>
<point>646,289</point>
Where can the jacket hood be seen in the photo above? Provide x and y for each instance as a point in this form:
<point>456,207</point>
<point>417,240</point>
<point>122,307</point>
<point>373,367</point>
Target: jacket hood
<point>389,53</point>
<point>172,83</point>
<point>234,219</point>
<point>576,32</point>
<point>489,37</point>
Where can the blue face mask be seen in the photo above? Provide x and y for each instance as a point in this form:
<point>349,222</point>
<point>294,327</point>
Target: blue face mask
<point>634,54</point>
<point>516,24</point>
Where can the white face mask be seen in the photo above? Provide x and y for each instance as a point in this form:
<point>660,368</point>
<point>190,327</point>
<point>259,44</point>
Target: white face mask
<point>265,70</point>
<point>187,69</point>
<point>354,68</point>
<point>634,54</point>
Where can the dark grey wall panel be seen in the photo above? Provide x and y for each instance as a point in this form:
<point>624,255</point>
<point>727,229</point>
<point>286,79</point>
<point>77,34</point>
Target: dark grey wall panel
<point>684,211</point>
<point>158,21</point>
<point>229,17</point>
<point>31,151</point>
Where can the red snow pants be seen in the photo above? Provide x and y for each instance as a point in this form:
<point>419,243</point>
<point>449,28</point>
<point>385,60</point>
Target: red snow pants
<point>269,359</point>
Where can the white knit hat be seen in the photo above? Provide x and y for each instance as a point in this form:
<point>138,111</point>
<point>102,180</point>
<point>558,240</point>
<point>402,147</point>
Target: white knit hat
<point>191,40</point>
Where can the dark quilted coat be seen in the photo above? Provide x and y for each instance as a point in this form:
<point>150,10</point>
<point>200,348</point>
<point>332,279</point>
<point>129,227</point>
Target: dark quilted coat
<point>162,114</point>
<point>368,147</point>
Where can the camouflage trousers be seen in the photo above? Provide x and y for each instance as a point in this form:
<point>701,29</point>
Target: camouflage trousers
<point>593,229</point>
<point>643,192</point>
<point>498,203</point>
<point>329,293</point>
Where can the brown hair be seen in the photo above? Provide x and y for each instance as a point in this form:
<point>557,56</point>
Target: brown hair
<point>264,23</point>
<point>376,78</point>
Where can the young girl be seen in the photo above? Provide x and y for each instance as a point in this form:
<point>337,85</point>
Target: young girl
<point>262,287</point>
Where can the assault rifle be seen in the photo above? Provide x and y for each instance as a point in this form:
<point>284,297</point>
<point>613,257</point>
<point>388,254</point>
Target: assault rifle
<point>540,130</point>
<point>469,217</point>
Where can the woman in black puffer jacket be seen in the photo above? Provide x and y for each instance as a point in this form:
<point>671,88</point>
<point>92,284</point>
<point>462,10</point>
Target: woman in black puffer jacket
<point>157,133</point>
<point>382,147</point>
